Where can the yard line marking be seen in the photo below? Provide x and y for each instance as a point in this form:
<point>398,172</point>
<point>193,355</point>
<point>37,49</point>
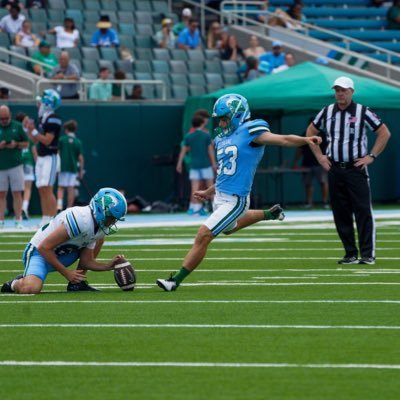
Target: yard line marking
<point>170,364</point>
<point>198,301</point>
<point>203,326</point>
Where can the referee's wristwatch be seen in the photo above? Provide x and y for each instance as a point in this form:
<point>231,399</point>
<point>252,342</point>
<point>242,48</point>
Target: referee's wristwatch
<point>372,155</point>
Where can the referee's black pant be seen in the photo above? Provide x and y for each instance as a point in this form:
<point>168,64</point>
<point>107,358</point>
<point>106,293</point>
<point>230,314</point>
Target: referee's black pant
<point>351,195</point>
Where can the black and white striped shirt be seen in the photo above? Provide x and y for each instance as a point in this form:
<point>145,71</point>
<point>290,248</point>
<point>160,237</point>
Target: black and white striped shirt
<point>346,130</point>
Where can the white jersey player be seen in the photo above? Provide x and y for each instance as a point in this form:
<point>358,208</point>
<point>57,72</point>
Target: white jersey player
<point>76,233</point>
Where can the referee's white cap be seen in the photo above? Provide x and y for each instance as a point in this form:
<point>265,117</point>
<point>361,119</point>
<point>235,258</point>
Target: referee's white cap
<point>343,82</point>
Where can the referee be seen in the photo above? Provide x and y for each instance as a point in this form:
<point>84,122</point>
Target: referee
<point>347,157</point>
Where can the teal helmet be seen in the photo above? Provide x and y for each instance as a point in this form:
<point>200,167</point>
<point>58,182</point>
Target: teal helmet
<point>51,99</point>
<point>234,107</point>
<point>108,202</point>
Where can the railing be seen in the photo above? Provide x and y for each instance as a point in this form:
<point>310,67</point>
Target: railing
<point>84,83</point>
<point>386,76</point>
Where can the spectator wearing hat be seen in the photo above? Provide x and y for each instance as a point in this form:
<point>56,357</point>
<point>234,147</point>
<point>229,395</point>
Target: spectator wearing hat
<point>44,55</point>
<point>66,70</point>
<point>25,37</point>
<point>184,23</point>
<point>12,23</point>
<point>189,38</point>
<point>67,35</point>
<point>289,62</point>
<point>274,58</point>
<point>165,38</point>
<point>105,36</point>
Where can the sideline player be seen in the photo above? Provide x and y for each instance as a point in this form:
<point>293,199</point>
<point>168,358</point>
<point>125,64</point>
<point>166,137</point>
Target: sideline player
<point>47,137</point>
<point>239,146</point>
<point>76,233</point>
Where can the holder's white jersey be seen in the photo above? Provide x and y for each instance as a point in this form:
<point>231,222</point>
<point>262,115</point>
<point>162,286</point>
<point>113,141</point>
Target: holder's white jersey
<point>80,226</point>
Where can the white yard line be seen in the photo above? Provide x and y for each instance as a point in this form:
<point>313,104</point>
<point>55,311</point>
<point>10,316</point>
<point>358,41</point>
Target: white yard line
<point>197,301</point>
<point>203,326</point>
<point>170,364</point>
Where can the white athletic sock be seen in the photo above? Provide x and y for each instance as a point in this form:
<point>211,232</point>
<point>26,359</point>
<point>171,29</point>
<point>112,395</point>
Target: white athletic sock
<point>25,205</point>
<point>59,204</point>
<point>13,284</point>
<point>197,206</point>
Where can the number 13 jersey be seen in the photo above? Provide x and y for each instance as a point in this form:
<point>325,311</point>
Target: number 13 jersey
<point>238,157</point>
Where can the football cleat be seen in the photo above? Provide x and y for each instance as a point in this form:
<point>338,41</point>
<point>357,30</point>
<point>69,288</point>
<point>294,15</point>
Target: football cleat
<point>276,212</point>
<point>348,260</point>
<point>169,285</point>
<point>367,260</point>
<point>81,287</point>
<point>6,288</point>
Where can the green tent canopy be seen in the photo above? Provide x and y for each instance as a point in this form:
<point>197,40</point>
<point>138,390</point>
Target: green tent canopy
<point>304,88</point>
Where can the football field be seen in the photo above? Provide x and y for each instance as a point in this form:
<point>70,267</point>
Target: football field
<point>268,315</point>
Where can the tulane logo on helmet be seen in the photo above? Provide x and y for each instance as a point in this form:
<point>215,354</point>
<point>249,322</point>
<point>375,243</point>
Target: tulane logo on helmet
<point>108,202</point>
<point>51,99</point>
<point>235,108</point>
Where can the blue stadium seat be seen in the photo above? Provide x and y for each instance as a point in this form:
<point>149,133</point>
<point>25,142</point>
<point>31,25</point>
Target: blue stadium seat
<point>196,90</point>
<point>74,52</point>
<point>214,79</point>
<point>160,66</point>
<point>126,17</point>
<point>195,66</point>
<point>143,41</point>
<point>229,67</point>
<point>126,41</point>
<point>345,23</point>
<point>127,29</point>
<point>231,79</point>
<point>178,66</point>
<point>144,29</point>
<point>160,6</point>
<point>339,12</point>
<point>213,66</point>
<point>212,54</point>
<point>76,15</point>
<point>143,54</point>
<point>90,66</point>
<point>74,4</point>
<point>90,53</point>
<point>124,65</point>
<point>77,63</point>
<point>178,79</point>
<point>109,53</point>
<point>107,64</point>
<point>143,5</point>
<point>91,16</point>
<point>180,92</point>
<point>38,15</point>
<point>56,4</point>
<point>178,54</point>
<point>126,5</point>
<point>144,17</point>
<point>56,14</point>
<point>92,5</point>
<point>142,66</point>
<point>197,79</point>
<point>143,76</point>
<point>161,54</point>
<point>195,55</point>
<point>109,5</point>
<point>213,88</point>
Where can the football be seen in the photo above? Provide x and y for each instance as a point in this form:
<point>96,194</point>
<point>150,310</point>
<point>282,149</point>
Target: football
<point>124,275</point>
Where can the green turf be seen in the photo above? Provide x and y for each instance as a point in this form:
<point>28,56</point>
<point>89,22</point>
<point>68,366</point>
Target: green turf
<point>271,320</point>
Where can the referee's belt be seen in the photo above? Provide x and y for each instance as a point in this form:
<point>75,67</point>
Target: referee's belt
<point>343,164</point>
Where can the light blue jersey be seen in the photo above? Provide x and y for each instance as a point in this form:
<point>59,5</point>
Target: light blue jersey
<point>238,158</point>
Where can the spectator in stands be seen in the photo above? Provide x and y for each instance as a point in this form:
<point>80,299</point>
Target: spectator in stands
<point>105,36</point>
<point>44,55</point>
<point>66,70</point>
<point>393,16</point>
<point>295,15</point>
<point>180,26</point>
<point>252,69</point>
<point>263,15</point>
<point>137,93</point>
<point>254,49</point>
<point>165,38</point>
<point>289,62</point>
<point>12,23</point>
<point>232,51</point>
<point>9,3</point>
<point>189,38</point>
<point>117,87</point>
<point>274,58</point>
<point>25,37</point>
<point>215,36</point>
<point>377,3</point>
<point>101,90</point>
<point>36,4</point>
<point>4,93</point>
<point>67,35</point>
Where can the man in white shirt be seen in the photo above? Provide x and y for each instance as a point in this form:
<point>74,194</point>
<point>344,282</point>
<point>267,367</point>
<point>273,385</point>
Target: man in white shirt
<point>12,23</point>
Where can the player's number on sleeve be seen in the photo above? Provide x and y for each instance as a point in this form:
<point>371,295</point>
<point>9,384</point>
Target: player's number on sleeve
<point>227,166</point>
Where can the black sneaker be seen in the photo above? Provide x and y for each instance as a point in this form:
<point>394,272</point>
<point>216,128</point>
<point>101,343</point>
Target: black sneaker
<point>81,287</point>
<point>276,212</point>
<point>6,288</point>
<point>367,260</point>
<point>348,260</point>
<point>25,215</point>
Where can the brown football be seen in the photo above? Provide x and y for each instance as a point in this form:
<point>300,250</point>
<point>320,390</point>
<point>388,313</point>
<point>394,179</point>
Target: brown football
<point>124,275</point>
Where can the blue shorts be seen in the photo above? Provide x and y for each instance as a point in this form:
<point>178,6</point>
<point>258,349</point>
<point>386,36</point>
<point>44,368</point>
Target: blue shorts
<point>35,264</point>
<point>201,173</point>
